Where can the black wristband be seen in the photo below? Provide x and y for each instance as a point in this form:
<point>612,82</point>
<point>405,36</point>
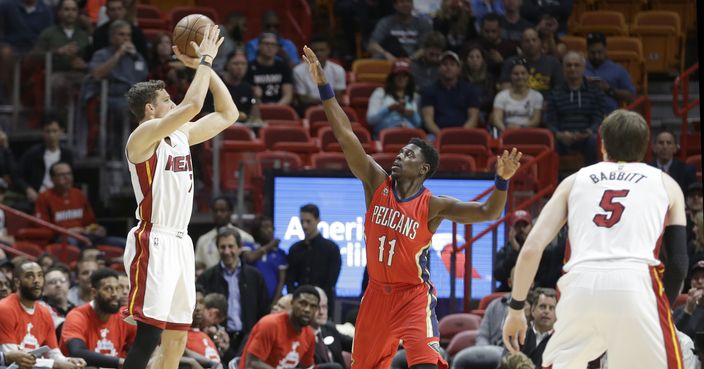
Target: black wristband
<point>516,304</point>
<point>205,62</point>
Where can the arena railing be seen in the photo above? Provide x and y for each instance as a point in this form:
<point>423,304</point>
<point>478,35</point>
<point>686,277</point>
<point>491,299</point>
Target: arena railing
<point>681,86</point>
<point>545,156</point>
<point>44,224</point>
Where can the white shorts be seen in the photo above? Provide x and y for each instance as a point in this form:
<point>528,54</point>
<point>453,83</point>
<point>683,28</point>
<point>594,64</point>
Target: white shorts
<point>618,308</point>
<point>161,270</point>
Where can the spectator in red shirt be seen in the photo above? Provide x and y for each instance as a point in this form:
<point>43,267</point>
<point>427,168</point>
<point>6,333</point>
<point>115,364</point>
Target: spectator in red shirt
<point>284,340</point>
<point>199,345</point>
<point>95,331</point>
<point>68,207</point>
<point>26,325</point>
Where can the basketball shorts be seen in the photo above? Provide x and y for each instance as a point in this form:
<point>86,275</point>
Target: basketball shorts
<point>161,269</point>
<point>613,307</point>
<point>391,314</point>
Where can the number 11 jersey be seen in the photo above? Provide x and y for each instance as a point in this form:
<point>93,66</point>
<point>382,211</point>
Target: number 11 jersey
<point>397,236</point>
<point>616,212</point>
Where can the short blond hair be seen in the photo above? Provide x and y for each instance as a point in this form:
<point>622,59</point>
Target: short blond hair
<point>516,360</point>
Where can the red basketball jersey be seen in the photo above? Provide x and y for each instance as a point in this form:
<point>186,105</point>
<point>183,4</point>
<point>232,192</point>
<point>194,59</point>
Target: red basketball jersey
<point>397,236</point>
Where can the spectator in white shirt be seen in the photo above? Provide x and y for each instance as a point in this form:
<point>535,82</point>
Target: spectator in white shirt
<point>518,106</point>
<point>305,89</point>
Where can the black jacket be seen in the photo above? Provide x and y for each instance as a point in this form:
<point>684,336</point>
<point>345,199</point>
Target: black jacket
<point>32,169</point>
<point>316,262</point>
<point>682,173</point>
<point>339,343</point>
<point>254,301</point>
<point>535,353</point>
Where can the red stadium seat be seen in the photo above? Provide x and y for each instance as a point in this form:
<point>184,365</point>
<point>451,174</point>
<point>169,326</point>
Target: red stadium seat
<point>456,163</point>
<point>284,122</point>
<point>608,22</point>
<point>358,94</point>
<point>329,161</point>
<point>277,112</point>
<point>371,70</point>
<point>66,253</point>
<point>393,139</point>
<point>469,141</point>
<point>111,252</point>
<point>153,24</point>
<point>461,341</point>
<point>385,160</point>
<point>696,161</point>
<point>28,248</point>
<point>292,139</point>
<point>148,11</point>
<point>328,142</point>
<point>450,325</point>
<point>315,115</point>
<point>39,236</point>
<point>278,160</point>
<point>663,40</point>
<point>179,12</point>
<point>485,301</point>
<point>575,43</point>
<point>533,141</point>
<point>680,300</point>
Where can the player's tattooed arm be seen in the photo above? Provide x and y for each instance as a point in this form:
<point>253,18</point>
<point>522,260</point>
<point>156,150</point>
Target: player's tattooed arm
<point>253,362</point>
<point>361,164</point>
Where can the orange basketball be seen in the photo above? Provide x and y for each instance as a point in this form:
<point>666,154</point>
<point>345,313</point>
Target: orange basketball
<point>190,28</point>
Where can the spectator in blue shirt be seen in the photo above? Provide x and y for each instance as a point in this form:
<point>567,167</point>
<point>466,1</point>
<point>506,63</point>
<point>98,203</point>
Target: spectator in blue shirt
<point>395,104</point>
<point>266,255</point>
<point>449,102</point>
<point>575,111</point>
<point>612,78</point>
<point>480,8</point>
<point>288,52</point>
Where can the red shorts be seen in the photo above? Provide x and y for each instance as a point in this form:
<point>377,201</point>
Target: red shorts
<point>391,314</point>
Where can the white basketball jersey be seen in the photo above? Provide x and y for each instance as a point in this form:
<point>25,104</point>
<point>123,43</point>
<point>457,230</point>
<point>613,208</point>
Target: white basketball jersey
<point>163,184</point>
<point>616,212</point>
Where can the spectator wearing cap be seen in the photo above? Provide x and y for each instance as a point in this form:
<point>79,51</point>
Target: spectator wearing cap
<point>450,102</point>
<point>425,68</point>
<point>612,78</point>
<point>575,111</point>
<point>399,35</point>
<point>395,104</point>
<point>518,106</point>
<point>689,318</point>
<point>520,226</point>
<point>305,89</point>
<point>270,77</point>
<point>512,23</point>
<point>545,70</point>
<point>665,147</point>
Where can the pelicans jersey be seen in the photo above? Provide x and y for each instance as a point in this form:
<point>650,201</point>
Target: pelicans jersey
<point>159,253</point>
<point>399,303</point>
<point>612,299</point>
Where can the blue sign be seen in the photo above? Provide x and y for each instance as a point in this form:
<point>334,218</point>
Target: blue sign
<point>342,210</point>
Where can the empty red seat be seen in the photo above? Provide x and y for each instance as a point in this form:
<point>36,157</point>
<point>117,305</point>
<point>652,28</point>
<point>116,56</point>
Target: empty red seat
<point>28,248</point>
<point>475,142</point>
<point>277,112</point>
<point>284,122</point>
<point>66,253</point>
<point>393,139</point>
<point>38,236</point>
<point>278,160</point>
<point>328,142</point>
<point>315,115</point>
<point>485,301</point>
<point>526,180</point>
<point>148,11</point>
<point>358,94</point>
<point>461,341</point>
<point>329,161</point>
<point>111,252</point>
<point>292,139</point>
<point>456,163</point>
<point>450,325</point>
<point>533,141</point>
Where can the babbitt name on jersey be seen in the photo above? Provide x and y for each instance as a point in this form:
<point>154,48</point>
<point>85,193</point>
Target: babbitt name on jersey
<point>179,163</point>
<point>617,176</point>
<point>395,220</point>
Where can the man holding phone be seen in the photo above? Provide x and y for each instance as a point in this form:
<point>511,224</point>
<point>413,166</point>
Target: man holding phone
<point>612,78</point>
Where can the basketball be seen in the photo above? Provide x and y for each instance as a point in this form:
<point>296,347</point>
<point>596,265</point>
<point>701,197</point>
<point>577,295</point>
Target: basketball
<point>190,28</point>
